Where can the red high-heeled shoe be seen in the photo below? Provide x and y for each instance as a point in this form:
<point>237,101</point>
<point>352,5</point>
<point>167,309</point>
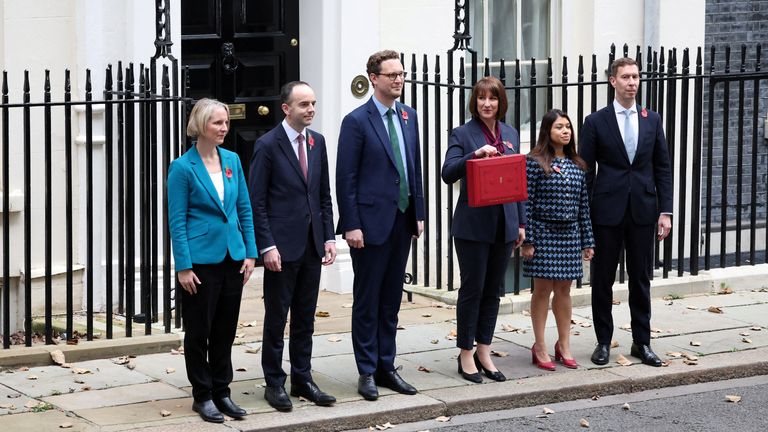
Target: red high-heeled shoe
<point>569,363</point>
<point>550,366</point>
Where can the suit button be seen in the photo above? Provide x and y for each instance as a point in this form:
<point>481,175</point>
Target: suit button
<point>397,182</point>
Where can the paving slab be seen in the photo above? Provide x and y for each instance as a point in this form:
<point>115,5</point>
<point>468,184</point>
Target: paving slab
<point>323,347</point>
<point>752,314</point>
<point>50,420</point>
<point>145,413</point>
<point>156,366</point>
<point>706,300</point>
<point>719,341</point>
<point>122,395</point>
<point>419,337</point>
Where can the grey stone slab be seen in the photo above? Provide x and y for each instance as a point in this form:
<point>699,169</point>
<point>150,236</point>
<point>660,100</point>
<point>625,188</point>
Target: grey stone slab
<point>45,421</point>
<point>123,395</point>
<point>53,380</point>
<point>156,366</point>
<point>140,414</point>
<point>11,401</point>
<point>674,320</point>
<point>441,363</point>
<point>341,367</point>
<point>756,314</point>
<point>719,341</point>
<point>736,299</point>
<point>417,338</point>
<point>323,347</point>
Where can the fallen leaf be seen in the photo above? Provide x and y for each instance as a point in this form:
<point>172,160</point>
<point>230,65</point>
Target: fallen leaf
<point>691,307</point>
<point>32,404</point>
<point>385,426</point>
<point>573,321</point>
<point>695,343</point>
<point>434,341</point>
<point>80,371</point>
<point>65,425</point>
<point>322,314</point>
<point>14,395</point>
<point>178,351</point>
<point>614,343</point>
<point>674,354</point>
<point>242,369</point>
<point>79,381</point>
<point>756,328</point>
<point>541,416</point>
<point>715,309</point>
<point>121,360</point>
<point>575,333</point>
<point>334,339</point>
<point>733,398</point>
<point>426,315</point>
<point>584,423</point>
<point>744,333</point>
<point>691,357</point>
<point>443,419</point>
<point>623,360</point>
<point>690,362</point>
<point>746,340</point>
<point>625,407</point>
<point>31,377</point>
<point>451,335</point>
<point>595,397</point>
<point>526,312</point>
<point>23,369</point>
<point>400,327</point>
<point>170,370</point>
<point>58,357</point>
<point>626,327</point>
<point>347,305</point>
<point>656,330</point>
<point>586,325</point>
<point>424,369</point>
<point>548,410</point>
<point>616,301</point>
<point>509,328</point>
<point>131,364</point>
<point>85,388</point>
<point>725,290</point>
<point>164,413</point>
<point>499,353</point>
<point>7,406</point>
<point>303,399</point>
<point>253,350</point>
<point>239,335</point>
<point>667,297</point>
<point>66,365</point>
<point>251,324</point>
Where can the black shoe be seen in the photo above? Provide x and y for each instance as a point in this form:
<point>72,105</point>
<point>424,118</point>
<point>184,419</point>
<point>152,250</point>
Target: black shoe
<point>228,407</point>
<point>208,411</point>
<point>494,375</point>
<point>644,353</point>
<point>312,393</point>
<point>278,398</point>
<point>392,380</point>
<point>366,386</point>
<point>601,354</point>
<point>472,377</point>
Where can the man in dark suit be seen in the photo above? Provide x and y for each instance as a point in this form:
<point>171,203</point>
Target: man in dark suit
<point>381,206</point>
<point>293,219</point>
<point>631,200</point>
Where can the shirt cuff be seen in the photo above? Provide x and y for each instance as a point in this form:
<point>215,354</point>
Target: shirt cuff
<point>330,241</point>
<point>267,249</point>
<point>522,226</point>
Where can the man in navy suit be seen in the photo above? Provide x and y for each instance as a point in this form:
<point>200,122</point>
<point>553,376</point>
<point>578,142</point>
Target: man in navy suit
<point>631,200</point>
<point>293,219</point>
<point>381,207</point>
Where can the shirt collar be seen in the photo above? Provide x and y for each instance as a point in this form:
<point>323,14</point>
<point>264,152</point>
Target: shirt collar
<point>291,132</point>
<point>620,109</point>
<point>383,108</point>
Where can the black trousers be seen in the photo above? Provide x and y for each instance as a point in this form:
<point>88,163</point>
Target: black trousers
<point>638,243</point>
<point>378,291</point>
<point>296,288</point>
<point>210,322</point>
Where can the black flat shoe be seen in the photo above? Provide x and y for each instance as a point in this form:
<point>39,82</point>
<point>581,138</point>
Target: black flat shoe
<point>228,407</point>
<point>601,354</point>
<point>494,375</point>
<point>472,377</point>
<point>278,398</point>
<point>644,353</point>
<point>393,381</point>
<point>208,411</point>
<point>366,386</point>
<point>311,392</point>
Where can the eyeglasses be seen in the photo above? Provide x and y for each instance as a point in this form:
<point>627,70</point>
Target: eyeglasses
<point>394,75</point>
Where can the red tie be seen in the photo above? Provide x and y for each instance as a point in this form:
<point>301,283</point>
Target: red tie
<point>302,156</point>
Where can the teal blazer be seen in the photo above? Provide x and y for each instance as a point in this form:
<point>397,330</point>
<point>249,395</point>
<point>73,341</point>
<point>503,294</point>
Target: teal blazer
<point>202,229</point>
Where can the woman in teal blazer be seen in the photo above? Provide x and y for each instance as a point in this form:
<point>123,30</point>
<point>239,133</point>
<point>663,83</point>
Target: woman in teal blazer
<point>214,250</point>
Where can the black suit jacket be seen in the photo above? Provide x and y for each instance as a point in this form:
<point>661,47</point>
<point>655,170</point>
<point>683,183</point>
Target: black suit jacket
<point>473,223</point>
<point>646,182</point>
<point>284,204</point>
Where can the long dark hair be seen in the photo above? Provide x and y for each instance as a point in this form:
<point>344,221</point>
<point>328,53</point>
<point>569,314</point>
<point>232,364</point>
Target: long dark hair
<point>543,153</point>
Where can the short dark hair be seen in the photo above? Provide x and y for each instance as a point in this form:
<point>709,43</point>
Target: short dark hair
<point>287,90</point>
<point>621,62</point>
<point>376,59</point>
<point>489,85</point>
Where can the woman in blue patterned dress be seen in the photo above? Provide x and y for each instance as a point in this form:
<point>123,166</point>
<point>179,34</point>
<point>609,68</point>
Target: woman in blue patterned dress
<point>558,234</point>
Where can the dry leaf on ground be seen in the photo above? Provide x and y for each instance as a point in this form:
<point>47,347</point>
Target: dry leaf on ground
<point>253,350</point>
<point>725,290</point>
<point>23,369</point>
<point>499,353</point>
<point>8,406</point>
<point>58,357</point>
<point>385,426</point>
<point>347,305</point>
<point>322,314</point>
<point>526,312</point>
<point>81,371</point>
<point>65,425</point>
<point>164,413</point>
<point>85,388</point>
<point>443,419</point>
<point>614,343</point>
<point>242,369</point>
<point>623,360</point>
<point>131,364</point>
<point>121,360</point>
<point>33,404</point>
<point>586,325</point>
<point>691,357</point>
<point>547,410</point>
<point>400,327</point>
<point>178,351</point>
<point>616,302</point>
<point>595,397</point>
<point>250,324</point>
<point>715,309</point>
<point>695,343</point>
<point>79,381</point>
<point>575,333</point>
<point>584,423</point>
<point>626,327</point>
<point>674,354</point>
<point>434,341</point>
<point>746,340</point>
<point>690,362</point>
<point>170,370</point>
<point>691,307</point>
<point>625,407</point>
<point>424,369</point>
<point>31,377</point>
<point>451,335</point>
<point>656,330</point>
<point>733,398</point>
<point>334,339</point>
<point>426,315</point>
<point>746,333</point>
<point>756,328</point>
<point>240,335</point>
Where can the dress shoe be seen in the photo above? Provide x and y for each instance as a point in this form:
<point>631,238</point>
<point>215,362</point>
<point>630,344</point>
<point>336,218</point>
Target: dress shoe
<point>472,377</point>
<point>644,353</point>
<point>392,380</point>
<point>278,398</point>
<point>228,407</point>
<point>601,354</point>
<point>494,375</point>
<point>550,365</point>
<point>569,363</point>
<point>312,393</point>
<point>366,386</point>
<point>208,411</point>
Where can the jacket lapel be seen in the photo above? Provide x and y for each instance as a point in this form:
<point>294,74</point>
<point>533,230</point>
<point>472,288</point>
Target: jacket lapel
<point>198,167</point>
<point>227,163</point>
<point>378,126</point>
<point>609,115</point>
<point>287,148</point>
<point>478,139</point>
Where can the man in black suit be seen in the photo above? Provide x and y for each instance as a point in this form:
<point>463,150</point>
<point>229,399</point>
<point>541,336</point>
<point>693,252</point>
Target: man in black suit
<point>293,219</point>
<point>631,200</point>
<point>381,206</point>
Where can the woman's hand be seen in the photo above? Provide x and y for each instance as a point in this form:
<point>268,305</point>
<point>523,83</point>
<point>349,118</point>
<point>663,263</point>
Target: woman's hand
<point>588,253</point>
<point>189,281</point>
<point>527,251</point>
<point>485,151</point>
<point>520,238</point>
<point>247,269</point>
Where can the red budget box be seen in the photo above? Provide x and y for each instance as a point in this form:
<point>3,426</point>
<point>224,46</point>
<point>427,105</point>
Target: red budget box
<point>496,180</point>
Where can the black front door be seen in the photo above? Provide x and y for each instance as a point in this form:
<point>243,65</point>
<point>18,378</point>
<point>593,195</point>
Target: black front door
<point>241,52</point>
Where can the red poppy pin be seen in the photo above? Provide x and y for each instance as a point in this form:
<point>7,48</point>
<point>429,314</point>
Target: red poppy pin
<point>310,140</point>
<point>228,172</point>
<point>557,169</point>
<point>405,116</point>
<point>509,145</point>
<point>644,113</point>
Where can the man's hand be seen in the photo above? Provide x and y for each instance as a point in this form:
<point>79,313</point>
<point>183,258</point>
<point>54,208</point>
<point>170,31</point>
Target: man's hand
<point>587,254</point>
<point>520,237</point>
<point>664,226</point>
<point>247,269</point>
<point>272,260</point>
<point>419,229</point>
<point>527,251</point>
<point>355,238</point>
<point>330,253</point>
<point>189,281</point>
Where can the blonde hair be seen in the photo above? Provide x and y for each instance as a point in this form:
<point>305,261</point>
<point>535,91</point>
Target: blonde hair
<point>201,113</point>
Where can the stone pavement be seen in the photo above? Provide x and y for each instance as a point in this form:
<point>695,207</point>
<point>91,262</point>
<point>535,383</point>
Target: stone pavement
<point>152,393</point>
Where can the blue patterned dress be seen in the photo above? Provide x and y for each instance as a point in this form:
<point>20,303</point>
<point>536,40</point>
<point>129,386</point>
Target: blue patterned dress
<point>559,225</point>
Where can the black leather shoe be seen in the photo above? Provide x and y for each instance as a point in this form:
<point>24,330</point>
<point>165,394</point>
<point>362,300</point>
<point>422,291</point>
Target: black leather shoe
<point>278,398</point>
<point>228,407</point>
<point>644,353</point>
<point>392,380</point>
<point>366,386</point>
<point>208,411</point>
<point>494,375</point>
<point>601,354</point>
<point>471,377</point>
<point>312,393</point>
